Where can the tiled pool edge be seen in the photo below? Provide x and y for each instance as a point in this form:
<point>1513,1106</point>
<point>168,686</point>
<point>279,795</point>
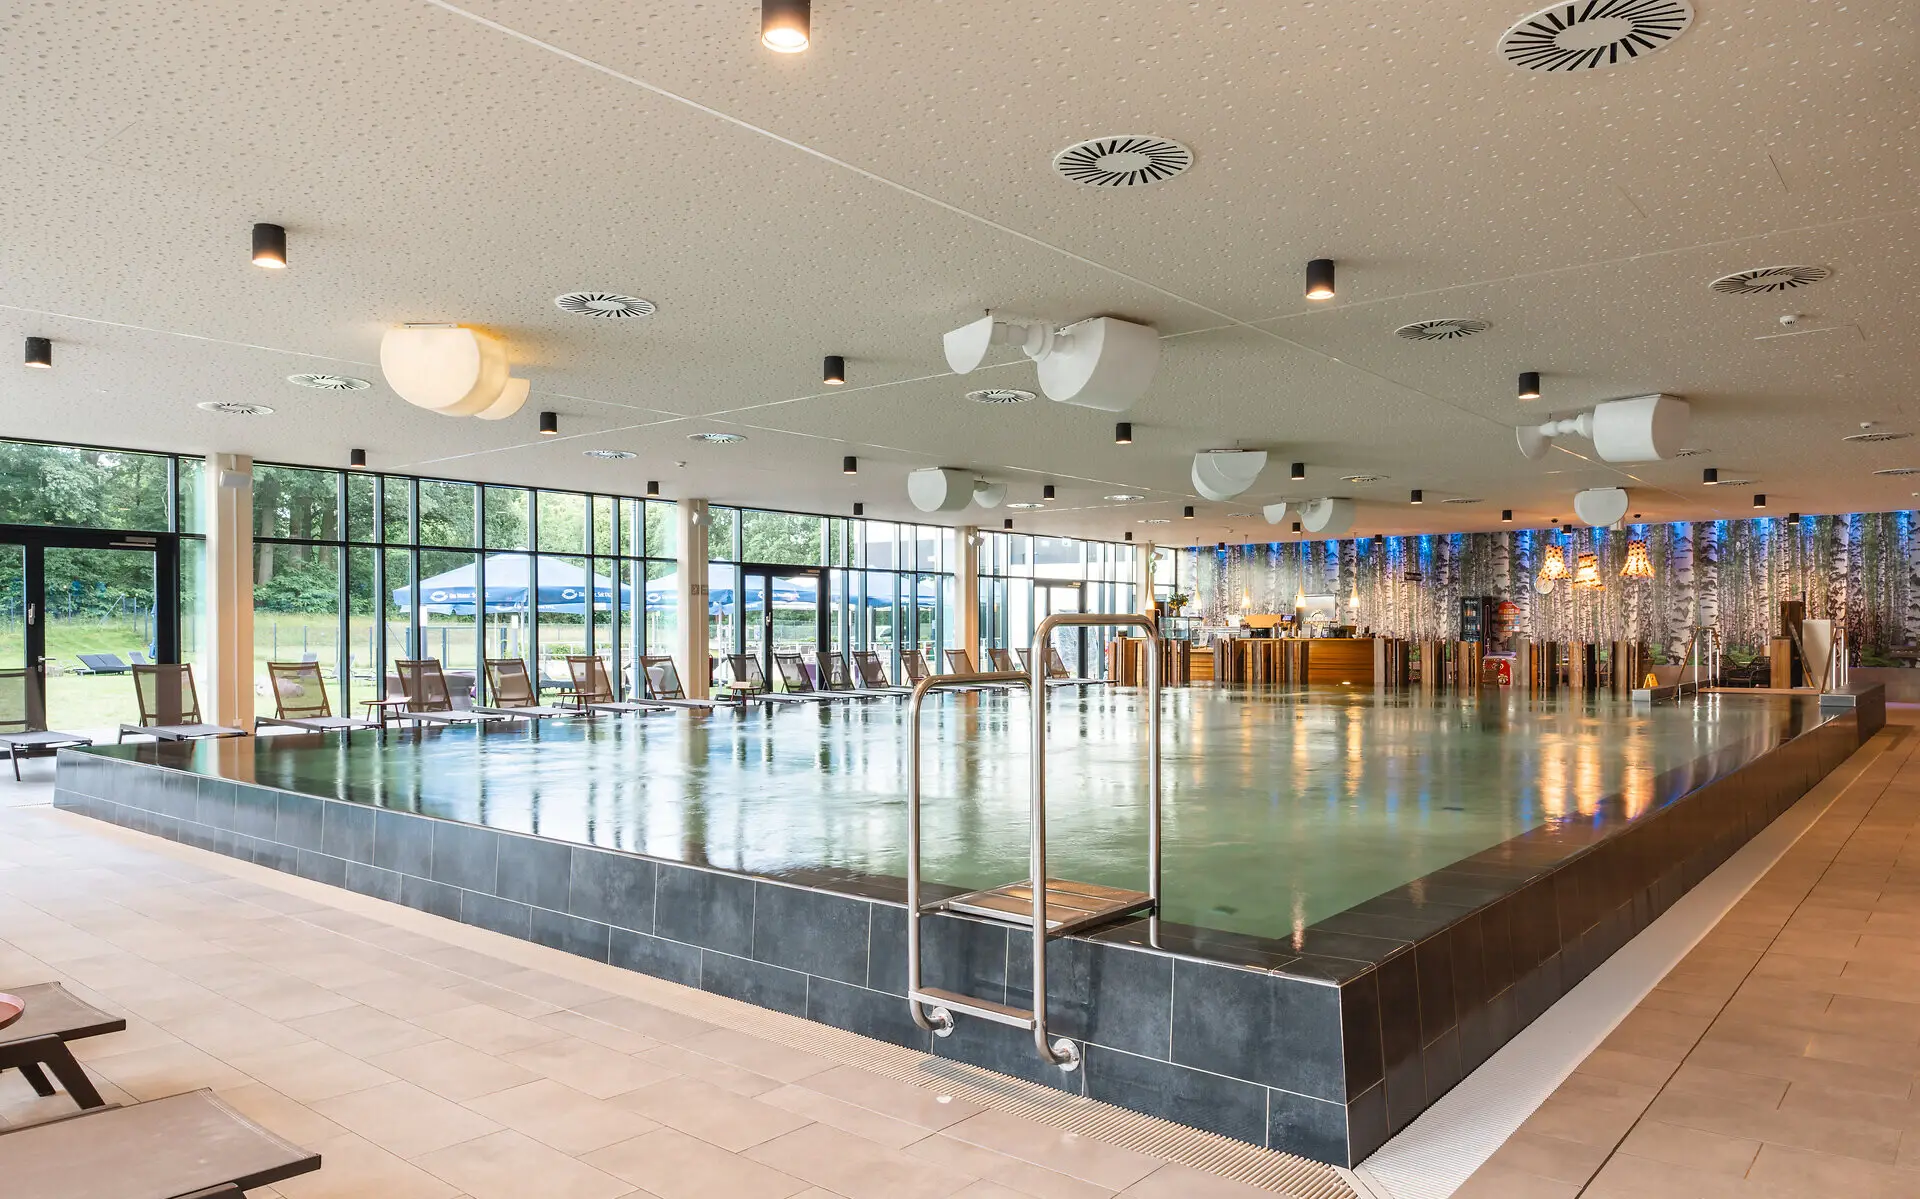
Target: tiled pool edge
<point>1327,1070</point>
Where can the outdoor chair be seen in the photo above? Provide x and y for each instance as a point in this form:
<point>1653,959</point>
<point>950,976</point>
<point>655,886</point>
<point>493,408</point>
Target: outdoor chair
<point>511,686</point>
<point>959,661</point>
<point>662,684</point>
<point>873,674</point>
<point>101,664</point>
<point>37,1041</point>
<point>23,725</point>
<point>830,667</point>
<point>593,687</point>
<point>793,676</point>
<point>1057,672</point>
<point>429,701</point>
<point>300,701</point>
<point>170,706</point>
<point>750,682</point>
<point>137,658</point>
<point>190,1146</point>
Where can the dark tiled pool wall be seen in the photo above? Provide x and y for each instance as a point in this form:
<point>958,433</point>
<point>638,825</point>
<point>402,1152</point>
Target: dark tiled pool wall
<point>1324,1050</point>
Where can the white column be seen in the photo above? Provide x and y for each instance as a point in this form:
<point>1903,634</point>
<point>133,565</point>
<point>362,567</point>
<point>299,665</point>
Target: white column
<point>690,655</point>
<point>228,697</point>
<point>966,584</point>
<point>1143,579</point>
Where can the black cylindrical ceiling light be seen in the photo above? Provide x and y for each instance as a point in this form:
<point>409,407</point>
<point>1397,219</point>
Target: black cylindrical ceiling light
<point>1188,514</point>
<point>1760,500</point>
<point>1296,526</point>
<point>850,465</point>
<point>786,26</point>
<point>270,247</point>
<point>1123,433</point>
<point>357,459</point>
<point>549,424</point>
<point>40,353</point>
<point>1299,471</point>
<point>1222,547</point>
<point>1416,497</point>
<point>1379,538</point>
<point>1793,516</point>
<point>1710,476</point>
<point>834,372</point>
<point>653,489</point>
<point>1047,492</point>
<point>1007,523</point>
<point>1529,388</point>
<point>1320,279</point>
<point>1506,516</point>
<point>1128,535</point>
<point>859,509</point>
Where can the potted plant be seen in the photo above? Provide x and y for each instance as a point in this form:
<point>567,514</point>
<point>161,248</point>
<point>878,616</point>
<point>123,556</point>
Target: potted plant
<point>1177,602</point>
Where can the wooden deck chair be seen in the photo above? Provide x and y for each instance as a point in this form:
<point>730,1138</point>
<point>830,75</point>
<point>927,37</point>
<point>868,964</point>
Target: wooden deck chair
<point>593,687</point>
<point>661,683</point>
<point>511,687</point>
<point>428,699</point>
<point>873,674</point>
<point>23,723</point>
<point>169,706</point>
<point>192,1146</point>
<point>37,1041</point>
<point>300,701</point>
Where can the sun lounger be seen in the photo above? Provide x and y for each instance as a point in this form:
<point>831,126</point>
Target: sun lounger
<point>37,1041</point>
<point>959,661</point>
<point>830,667</point>
<point>170,706</point>
<point>428,699</point>
<point>300,702</point>
<point>1057,672</point>
<point>513,696</point>
<point>189,1146</point>
<point>23,722</point>
<point>593,687</point>
<point>750,682</point>
<point>101,664</point>
<point>873,674</point>
<point>662,685</point>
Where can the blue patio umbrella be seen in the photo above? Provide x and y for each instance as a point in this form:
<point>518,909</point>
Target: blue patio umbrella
<point>563,587</point>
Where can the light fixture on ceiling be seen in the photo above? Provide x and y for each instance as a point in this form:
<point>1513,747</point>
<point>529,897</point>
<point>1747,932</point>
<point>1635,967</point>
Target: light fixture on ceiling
<point>786,26</point>
<point>1380,539</point>
<point>1418,498</point>
<point>1760,499</point>
<point>1710,477</point>
<point>1506,516</point>
<point>717,438</point>
<point>1638,565</point>
<point>1187,514</point>
<point>1221,547</point>
<point>549,424</point>
<point>1128,535</point>
<point>270,247</point>
<point>40,353</point>
<point>357,459</point>
<point>1007,523</point>
<point>1047,492</point>
<point>1320,279</point>
<point>859,509</point>
<point>1588,575</point>
<point>1123,433</point>
<point>850,465</point>
<point>1529,388</point>
<point>833,372</point>
<point>1793,517</point>
<point>1296,526</point>
<point>451,370</point>
<point>653,489</point>
<point>1299,471</point>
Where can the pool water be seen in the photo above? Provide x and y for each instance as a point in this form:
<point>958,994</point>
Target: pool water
<point>1282,807</point>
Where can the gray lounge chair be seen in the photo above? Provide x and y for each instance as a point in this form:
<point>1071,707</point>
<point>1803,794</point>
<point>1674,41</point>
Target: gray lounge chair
<point>37,1041</point>
<point>662,684</point>
<point>170,706</point>
<point>188,1146</point>
<point>512,687</point>
<point>959,661</point>
<point>101,664</point>
<point>830,667</point>
<point>300,702</point>
<point>750,682</point>
<point>593,687</point>
<point>873,674</point>
<point>428,699</point>
<point>23,725</point>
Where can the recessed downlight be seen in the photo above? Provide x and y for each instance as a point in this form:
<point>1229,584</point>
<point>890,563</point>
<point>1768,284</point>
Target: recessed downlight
<point>610,455</point>
<point>604,304</point>
<point>1768,280</point>
<point>716,438</point>
<point>1127,161</point>
<point>227,408</point>
<point>329,382</point>
<point>1000,395</point>
<point>1443,329</point>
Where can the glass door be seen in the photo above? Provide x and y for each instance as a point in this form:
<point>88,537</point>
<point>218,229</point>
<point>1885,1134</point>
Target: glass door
<point>101,618</point>
<point>18,708</point>
<point>784,611</point>
<point>1050,598</point>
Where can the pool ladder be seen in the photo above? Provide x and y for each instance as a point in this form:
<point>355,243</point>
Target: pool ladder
<point>1060,906</point>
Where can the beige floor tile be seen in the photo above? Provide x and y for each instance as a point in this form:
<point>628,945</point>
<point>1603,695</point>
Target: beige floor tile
<point>564,1118</point>
<point>354,1168</point>
<point>1491,1181</point>
<point>487,1029</point>
<point>363,1031</point>
<point>1583,1123</point>
<point>1023,1176</point>
<point>598,1031</point>
<point>283,997</point>
<point>1550,1157</point>
<point>1662,1142</point>
<point>513,1003</point>
<point>673,1165</point>
<point>1175,1181</point>
<point>405,1120</point>
<point>916,1105</point>
<point>508,1165</point>
<point>589,1068</point>
<point>1080,1157</point>
<point>403,997</point>
<point>311,1072</point>
<point>698,1065</point>
<point>455,1071</point>
<point>859,1169</point>
<point>1822,1134</point>
<point>862,1122</point>
<point>295,1121</point>
<point>717,1116</point>
<point>1628,1177</point>
<point>1799,1068</point>
<point>166,1070</point>
<point>758,1055</point>
<point>231,1031</point>
<point>1627,1067</point>
<point>1784,1171</point>
<point>646,1019</point>
<point>1757,1089</point>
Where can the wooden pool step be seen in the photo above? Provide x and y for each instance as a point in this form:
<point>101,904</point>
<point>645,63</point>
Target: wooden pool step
<point>1071,906</point>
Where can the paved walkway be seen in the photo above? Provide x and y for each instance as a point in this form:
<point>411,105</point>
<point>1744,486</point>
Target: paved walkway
<point>1779,1059</point>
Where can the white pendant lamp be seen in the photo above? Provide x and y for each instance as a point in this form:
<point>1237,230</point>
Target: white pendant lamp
<point>512,398</point>
<point>444,368</point>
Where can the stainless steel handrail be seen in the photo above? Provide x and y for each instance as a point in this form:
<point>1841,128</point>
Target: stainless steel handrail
<point>1064,1053</point>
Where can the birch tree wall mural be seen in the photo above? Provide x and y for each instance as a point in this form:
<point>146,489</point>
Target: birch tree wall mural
<point>1861,571</point>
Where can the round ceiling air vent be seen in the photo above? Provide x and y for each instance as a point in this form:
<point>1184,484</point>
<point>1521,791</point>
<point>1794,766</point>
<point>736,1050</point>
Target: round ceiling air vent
<point>603,304</point>
<point>1734,483</point>
<point>1875,438</point>
<point>1156,520</point>
<point>1000,395</point>
<point>1025,504</point>
<point>1363,479</point>
<point>1689,453</point>
<point>330,382</point>
<point>1441,330</point>
<point>1464,499</point>
<point>1765,280</point>
<point>1125,498</point>
<point>610,455</point>
<point>1899,471</point>
<point>716,438</point>
<point>231,409</point>
<point>1122,161</point>
<point>1593,34</point>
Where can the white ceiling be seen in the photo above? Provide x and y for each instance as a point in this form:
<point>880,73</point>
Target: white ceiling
<point>435,161</point>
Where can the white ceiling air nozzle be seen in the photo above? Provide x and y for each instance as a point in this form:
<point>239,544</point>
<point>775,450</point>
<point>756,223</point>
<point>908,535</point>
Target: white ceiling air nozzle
<point>940,489</point>
<point>989,495</point>
<point>1601,507</point>
<point>1101,362</point>
<point>1223,474</point>
<point>1328,517</point>
<point>1641,429</point>
<point>1274,513</point>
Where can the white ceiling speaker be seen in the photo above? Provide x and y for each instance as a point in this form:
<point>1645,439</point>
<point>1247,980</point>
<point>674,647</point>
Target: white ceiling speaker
<point>940,489</point>
<point>1642,429</point>
<point>1102,362</point>
<point>1274,513</point>
<point>450,370</point>
<point>1223,474</point>
<point>1601,507</point>
<point>1328,517</point>
<point>989,495</point>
